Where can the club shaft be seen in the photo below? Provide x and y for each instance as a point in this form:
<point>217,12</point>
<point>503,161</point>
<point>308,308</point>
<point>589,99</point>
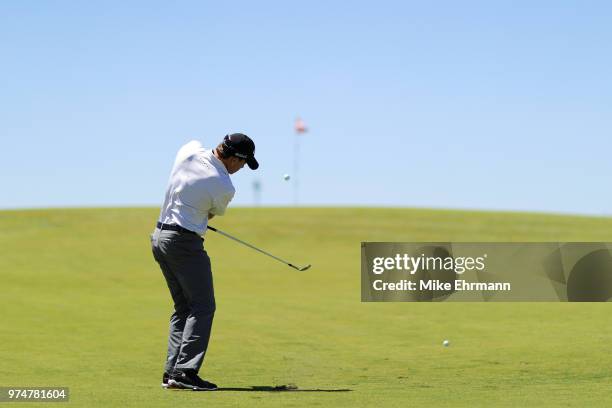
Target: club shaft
<point>225,234</point>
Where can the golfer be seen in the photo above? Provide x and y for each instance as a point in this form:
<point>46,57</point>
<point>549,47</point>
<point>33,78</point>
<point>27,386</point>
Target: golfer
<point>199,188</point>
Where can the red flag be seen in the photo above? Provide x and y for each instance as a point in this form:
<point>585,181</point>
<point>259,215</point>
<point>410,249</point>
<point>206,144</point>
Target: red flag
<point>300,126</point>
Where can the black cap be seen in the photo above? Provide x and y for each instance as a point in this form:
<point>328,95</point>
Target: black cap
<point>240,145</point>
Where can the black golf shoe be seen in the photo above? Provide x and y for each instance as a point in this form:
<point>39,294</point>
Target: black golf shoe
<point>189,380</point>
<point>165,379</point>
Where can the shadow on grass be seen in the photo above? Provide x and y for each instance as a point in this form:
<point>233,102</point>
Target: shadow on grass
<point>280,388</point>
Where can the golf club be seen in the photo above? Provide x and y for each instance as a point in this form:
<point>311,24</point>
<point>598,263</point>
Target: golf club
<point>299,268</point>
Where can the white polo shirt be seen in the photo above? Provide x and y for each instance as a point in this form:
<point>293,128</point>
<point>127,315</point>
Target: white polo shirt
<point>199,184</point>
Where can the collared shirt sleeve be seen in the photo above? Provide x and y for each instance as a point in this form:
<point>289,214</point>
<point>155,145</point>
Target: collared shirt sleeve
<point>221,202</point>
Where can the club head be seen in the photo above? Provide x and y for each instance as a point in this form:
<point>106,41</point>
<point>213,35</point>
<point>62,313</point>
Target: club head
<point>300,268</point>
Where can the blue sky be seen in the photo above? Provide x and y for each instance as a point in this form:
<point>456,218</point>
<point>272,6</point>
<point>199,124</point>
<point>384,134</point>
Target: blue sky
<point>471,104</point>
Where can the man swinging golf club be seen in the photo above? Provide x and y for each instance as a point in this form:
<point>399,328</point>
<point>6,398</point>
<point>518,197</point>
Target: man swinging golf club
<point>199,188</point>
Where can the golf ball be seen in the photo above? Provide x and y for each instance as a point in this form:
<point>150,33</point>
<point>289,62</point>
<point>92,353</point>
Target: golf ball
<point>446,343</point>
<point>286,177</point>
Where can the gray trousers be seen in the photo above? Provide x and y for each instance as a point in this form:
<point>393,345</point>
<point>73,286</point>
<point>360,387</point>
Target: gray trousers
<point>186,267</point>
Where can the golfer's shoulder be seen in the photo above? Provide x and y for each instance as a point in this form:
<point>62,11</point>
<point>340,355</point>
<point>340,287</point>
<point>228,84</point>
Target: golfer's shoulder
<point>190,148</point>
<point>193,144</point>
<point>187,152</point>
<point>225,185</point>
<point>219,181</point>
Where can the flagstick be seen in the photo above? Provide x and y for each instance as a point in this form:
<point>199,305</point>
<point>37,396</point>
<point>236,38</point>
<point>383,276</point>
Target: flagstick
<point>256,193</point>
<point>300,128</point>
<point>296,168</point>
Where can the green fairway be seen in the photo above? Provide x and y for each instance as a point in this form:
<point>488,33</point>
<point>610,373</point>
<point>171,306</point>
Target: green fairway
<point>85,306</point>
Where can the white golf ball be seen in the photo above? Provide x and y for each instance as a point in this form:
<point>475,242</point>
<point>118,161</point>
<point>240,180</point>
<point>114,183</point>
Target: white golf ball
<point>446,343</point>
<point>286,177</point>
